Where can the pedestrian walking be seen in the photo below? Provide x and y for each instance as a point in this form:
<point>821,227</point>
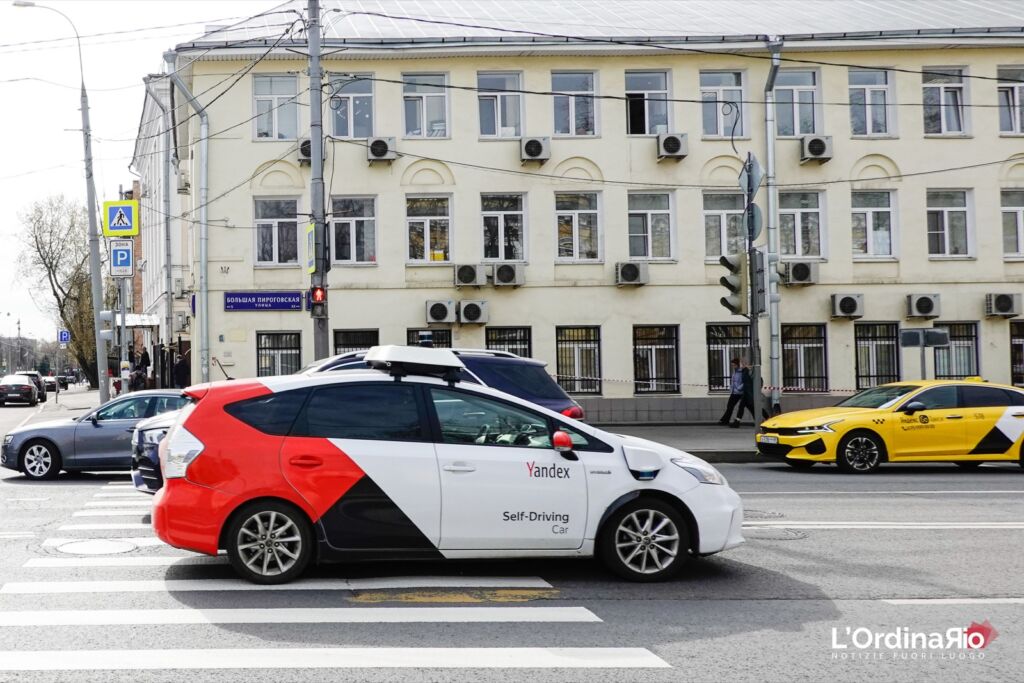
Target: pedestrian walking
<point>182,372</point>
<point>736,388</point>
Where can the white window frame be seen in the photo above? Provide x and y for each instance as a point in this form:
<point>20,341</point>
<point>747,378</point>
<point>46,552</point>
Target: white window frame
<point>798,221</point>
<point>723,226</point>
<point>648,214</point>
<point>943,88</point>
<point>498,96</point>
<point>277,103</point>
<point>1018,213</point>
<point>572,95</point>
<point>276,232</point>
<point>889,106</point>
<point>968,209</point>
<point>816,105</point>
<point>351,106</point>
<point>666,94</point>
<point>893,223</point>
<point>500,215</point>
<point>426,260</point>
<point>575,258</point>
<point>422,97</point>
<point>724,130</point>
<point>335,222</point>
<point>1016,93</point>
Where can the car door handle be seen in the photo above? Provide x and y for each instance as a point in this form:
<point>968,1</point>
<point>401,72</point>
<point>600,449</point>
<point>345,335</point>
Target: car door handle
<point>459,468</point>
<point>1017,414</point>
<point>307,461</point>
<point>954,417</point>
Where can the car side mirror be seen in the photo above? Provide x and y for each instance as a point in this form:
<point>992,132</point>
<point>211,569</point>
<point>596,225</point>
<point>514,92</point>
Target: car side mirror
<point>562,442</point>
<point>914,407</point>
<point>93,419</point>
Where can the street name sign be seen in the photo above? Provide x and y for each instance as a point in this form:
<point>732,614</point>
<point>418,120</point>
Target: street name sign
<point>263,301</point>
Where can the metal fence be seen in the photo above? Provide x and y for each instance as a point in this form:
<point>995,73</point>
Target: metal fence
<point>656,359</point>
<point>278,353</point>
<point>960,358</point>
<point>804,360</point>
<point>578,354</point>
<point>441,339</point>
<point>724,343</point>
<point>517,340</point>
<point>878,353</point>
<point>355,340</point>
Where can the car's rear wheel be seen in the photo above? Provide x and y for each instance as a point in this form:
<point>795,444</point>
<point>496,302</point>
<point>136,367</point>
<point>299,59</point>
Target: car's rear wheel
<point>969,465</point>
<point>860,452</point>
<point>34,402</point>
<point>645,540</point>
<point>40,460</point>
<point>800,464</point>
<point>269,542</point>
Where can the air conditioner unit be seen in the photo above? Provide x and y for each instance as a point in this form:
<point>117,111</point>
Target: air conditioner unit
<point>306,151</point>
<point>535,149</point>
<point>473,312</point>
<point>631,273</point>
<point>923,306</point>
<point>1002,305</point>
<point>381,149</point>
<point>847,305</point>
<point>441,312</point>
<point>815,148</point>
<point>470,275</point>
<point>509,274</point>
<point>184,186</point>
<point>179,288</point>
<point>181,321</point>
<point>672,146</point>
<point>798,273</point>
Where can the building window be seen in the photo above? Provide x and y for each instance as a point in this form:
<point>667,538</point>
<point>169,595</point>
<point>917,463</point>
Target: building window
<point>277,115</point>
<point>352,104</point>
<point>515,340</point>
<point>796,102</point>
<point>960,358</point>
<point>799,224</point>
<point>650,226</point>
<point>947,223</point>
<point>578,354</point>
<point>504,236</point>
<point>1012,202</point>
<point>721,94</point>
<point>277,232</point>
<point>355,340</point>
<point>428,226</point>
<point>869,101</point>
<point>723,225</point>
<point>803,358</point>
<point>355,229</point>
<point>500,105</point>
<point>871,223</point>
<point>1017,352</point>
<point>441,339</point>
<point>579,230</point>
<point>1011,99</point>
<point>943,101</point>
<point>575,113</point>
<point>426,105</point>
<point>646,102</point>
<point>725,342</point>
<point>878,353</point>
<point>656,359</point>
<point>278,353</point>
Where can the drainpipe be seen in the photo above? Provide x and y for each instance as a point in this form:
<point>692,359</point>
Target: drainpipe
<point>202,305</point>
<point>168,274</point>
<point>771,218</point>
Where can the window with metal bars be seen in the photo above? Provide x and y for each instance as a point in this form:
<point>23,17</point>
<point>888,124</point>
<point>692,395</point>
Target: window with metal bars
<point>278,353</point>
<point>656,359</point>
<point>578,354</point>
<point>724,343</point>
<point>441,339</point>
<point>1017,352</point>
<point>878,353</point>
<point>960,358</point>
<point>515,340</point>
<point>803,358</point>
<point>355,340</point>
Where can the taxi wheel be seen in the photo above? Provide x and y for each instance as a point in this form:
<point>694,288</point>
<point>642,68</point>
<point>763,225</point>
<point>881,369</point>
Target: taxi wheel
<point>860,452</point>
<point>40,461</point>
<point>269,542</point>
<point>645,540</point>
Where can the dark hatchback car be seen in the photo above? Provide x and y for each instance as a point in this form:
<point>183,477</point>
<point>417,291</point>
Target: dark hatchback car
<point>37,380</point>
<point>18,388</point>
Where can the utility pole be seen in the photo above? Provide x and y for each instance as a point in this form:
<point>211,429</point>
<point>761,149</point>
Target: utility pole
<point>321,262</point>
<point>121,295</point>
<point>756,298</point>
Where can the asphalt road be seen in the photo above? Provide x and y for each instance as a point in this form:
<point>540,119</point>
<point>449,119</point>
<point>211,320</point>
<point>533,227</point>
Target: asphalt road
<point>825,551</point>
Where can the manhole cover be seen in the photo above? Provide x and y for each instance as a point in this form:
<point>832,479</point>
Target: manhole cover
<point>756,534</point>
<point>96,547</point>
<point>761,514</point>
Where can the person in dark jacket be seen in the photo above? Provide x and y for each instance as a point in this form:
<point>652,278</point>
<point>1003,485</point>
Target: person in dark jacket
<point>182,373</point>
<point>739,380</point>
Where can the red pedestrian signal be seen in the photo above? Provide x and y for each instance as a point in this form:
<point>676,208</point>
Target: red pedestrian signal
<point>318,295</point>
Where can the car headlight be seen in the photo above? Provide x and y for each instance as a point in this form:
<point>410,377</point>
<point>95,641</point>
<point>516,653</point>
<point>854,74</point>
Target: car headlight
<point>819,429</point>
<point>8,438</point>
<point>153,436</point>
<point>705,474</point>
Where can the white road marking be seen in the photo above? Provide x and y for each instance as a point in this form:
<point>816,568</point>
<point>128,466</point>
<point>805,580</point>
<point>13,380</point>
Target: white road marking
<point>118,486</point>
<point>138,541</point>
<point>9,535</point>
<point>137,502</point>
<point>911,526</point>
<point>290,615</point>
<point>25,500</point>
<point>105,513</point>
<point>30,416</point>
<point>219,585</point>
<point>120,494</point>
<point>335,658</point>
<point>157,561</point>
<point>105,526</point>
<point>874,493</point>
<point>956,601</point>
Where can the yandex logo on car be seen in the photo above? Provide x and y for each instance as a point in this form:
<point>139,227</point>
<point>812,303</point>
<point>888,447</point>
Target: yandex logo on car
<point>546,471</point>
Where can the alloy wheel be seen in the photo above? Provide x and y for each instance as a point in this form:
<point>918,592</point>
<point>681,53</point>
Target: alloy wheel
<point>862,454</point>
<point>647,541</point>
<point>269,543</point>
<point>38,460</point>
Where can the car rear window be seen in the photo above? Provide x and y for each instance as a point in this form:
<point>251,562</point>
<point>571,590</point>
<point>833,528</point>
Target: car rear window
<point>384,412</point>
<point>517,378</point>
<point>271,414</point>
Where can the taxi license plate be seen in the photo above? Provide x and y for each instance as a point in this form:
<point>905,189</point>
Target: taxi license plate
<point>769,439</point>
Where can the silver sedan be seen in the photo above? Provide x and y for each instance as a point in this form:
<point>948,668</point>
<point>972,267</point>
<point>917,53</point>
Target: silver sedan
<point>98,440</point>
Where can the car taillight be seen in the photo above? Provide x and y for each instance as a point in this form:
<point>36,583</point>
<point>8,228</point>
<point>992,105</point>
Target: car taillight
<point>575,412</point>
<point>182,447</point>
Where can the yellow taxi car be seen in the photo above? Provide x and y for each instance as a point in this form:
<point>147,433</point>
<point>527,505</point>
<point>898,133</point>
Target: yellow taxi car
<point>966,422</point>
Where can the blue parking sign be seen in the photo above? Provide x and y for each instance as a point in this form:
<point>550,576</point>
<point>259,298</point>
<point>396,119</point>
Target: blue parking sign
<point>122,258</point>
<point>64,336</point>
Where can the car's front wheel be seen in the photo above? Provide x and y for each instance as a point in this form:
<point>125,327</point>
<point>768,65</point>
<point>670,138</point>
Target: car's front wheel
<point>269,542</point>
<point>860,452</point>
<point>40,461</point>
<point>645,540</point>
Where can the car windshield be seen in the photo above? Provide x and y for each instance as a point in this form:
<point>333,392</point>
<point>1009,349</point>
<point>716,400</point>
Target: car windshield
<point>877,397</point>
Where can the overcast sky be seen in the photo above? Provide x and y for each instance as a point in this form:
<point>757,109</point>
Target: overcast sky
<point>41,148</point>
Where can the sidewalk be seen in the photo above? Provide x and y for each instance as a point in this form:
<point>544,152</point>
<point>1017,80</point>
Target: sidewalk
<point>72,401</point>
<point>714,443</point>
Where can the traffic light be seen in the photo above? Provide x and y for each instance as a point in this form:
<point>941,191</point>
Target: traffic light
<point>736,283</point>
<point>318,301</point>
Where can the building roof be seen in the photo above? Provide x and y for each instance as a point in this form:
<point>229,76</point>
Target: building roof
<point>390,22</point>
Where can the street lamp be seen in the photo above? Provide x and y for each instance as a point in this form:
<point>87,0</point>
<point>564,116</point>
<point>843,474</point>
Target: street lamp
<point>90,208</point>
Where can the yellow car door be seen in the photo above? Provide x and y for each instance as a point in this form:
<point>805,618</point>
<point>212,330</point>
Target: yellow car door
<point>929,426</point>
<point>992,422</point>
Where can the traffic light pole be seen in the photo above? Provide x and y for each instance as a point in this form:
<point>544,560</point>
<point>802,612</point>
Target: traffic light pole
<point>754,307</point>
<point>316,162</point>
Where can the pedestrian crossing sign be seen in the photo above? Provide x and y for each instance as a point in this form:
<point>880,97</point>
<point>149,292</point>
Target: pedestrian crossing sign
<point>121,218</point>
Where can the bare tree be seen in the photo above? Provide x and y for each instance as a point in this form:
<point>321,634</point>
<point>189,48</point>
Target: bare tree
<point>55,258</point>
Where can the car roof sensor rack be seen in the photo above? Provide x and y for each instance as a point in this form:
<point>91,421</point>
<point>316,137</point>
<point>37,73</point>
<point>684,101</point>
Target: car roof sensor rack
<point>402,361</point>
